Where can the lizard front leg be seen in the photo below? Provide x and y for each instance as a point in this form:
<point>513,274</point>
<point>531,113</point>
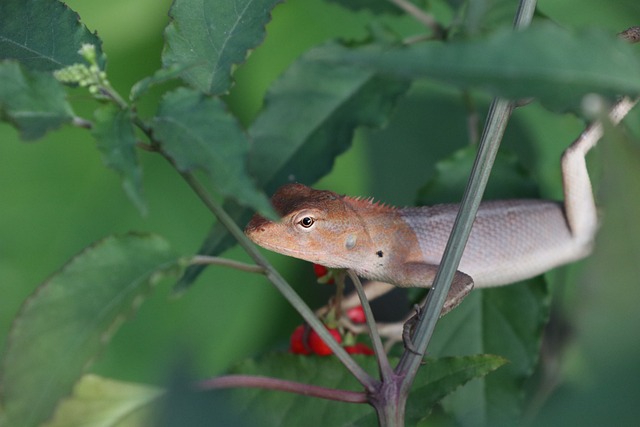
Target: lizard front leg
<point>422,275</point>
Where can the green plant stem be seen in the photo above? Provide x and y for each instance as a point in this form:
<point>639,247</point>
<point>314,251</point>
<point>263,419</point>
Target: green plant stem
<point>278,281</point>
<point>495,125</point>
<point>225,262</point>
<point>386,373</point>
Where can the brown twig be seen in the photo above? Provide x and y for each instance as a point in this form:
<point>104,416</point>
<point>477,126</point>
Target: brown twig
<point>225,262</point>
<point>251,381</point>
<point>421,16</point>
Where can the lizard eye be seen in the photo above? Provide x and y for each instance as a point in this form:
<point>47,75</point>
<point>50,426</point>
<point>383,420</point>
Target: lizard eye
<point>306,221</point>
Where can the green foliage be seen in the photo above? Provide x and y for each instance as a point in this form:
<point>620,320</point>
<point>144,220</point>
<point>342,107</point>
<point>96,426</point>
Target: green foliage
<point>508,322</point>
<point>160,76</point>
<point>309,118</point>
<point>509,179</point>
<point>443,376</point>
<point>101,402</point>
<point>303,128</point>
<point>212,37</point>
<point>376,6</point>
<point>535,62</point>
<point>197,133</point>
<point>43,35</point>
<point>438,378</point>
<point>61,328</point>
<point>32,101</point>
<point>320,118</point>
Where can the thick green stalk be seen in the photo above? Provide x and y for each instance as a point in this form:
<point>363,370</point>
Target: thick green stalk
<point>495,125</point>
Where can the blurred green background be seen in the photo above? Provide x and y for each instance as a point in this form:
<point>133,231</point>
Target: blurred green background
<point>56,197</point>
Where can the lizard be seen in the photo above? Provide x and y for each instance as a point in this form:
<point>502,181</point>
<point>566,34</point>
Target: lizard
<point>510,241</point>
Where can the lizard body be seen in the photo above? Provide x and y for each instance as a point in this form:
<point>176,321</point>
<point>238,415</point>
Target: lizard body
<point>511,240</point>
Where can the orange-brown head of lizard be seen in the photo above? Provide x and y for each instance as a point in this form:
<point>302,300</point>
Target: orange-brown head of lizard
<point>315,225</point>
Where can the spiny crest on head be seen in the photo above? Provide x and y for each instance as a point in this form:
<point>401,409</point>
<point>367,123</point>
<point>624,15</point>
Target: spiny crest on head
<point>367,203</point>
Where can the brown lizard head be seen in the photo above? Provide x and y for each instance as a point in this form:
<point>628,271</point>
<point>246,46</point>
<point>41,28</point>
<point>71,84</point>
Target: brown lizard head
<point>315,225</point>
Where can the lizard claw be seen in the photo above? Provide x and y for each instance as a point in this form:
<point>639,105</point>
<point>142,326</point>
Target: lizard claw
<point>407,329</point>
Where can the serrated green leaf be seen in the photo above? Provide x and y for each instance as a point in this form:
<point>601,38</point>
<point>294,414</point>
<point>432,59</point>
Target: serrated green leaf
<point>32,101</point>
<point>309,118</point>
<point>43,35</point>
<point>215,35</point>
<point>103,402</point>
<point>116,138</point>
<point>546,62</point>
<point>198,133</point>
<point>63,325</point>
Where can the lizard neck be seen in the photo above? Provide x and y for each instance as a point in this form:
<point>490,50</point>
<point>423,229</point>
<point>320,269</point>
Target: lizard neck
<point>384,240</point>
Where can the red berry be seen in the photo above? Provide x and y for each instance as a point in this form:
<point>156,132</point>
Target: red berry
<point>318,346</point>
<point>296,342</point>
<point>359,348</point>
<point>356,314</point>
<point>323,274</point>
<point>320,270</point>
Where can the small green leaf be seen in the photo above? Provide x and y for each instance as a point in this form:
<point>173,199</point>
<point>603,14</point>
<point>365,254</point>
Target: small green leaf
<point>214,35</point>
<point>43,35</point>
<point>64,324</point>
<point>103,402</point>
<point>160,76</point>
<point>544,61</point>
<point>117,142</point>
<point>198,133</point>
<point>311,113</point>
<point>32,101</point>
